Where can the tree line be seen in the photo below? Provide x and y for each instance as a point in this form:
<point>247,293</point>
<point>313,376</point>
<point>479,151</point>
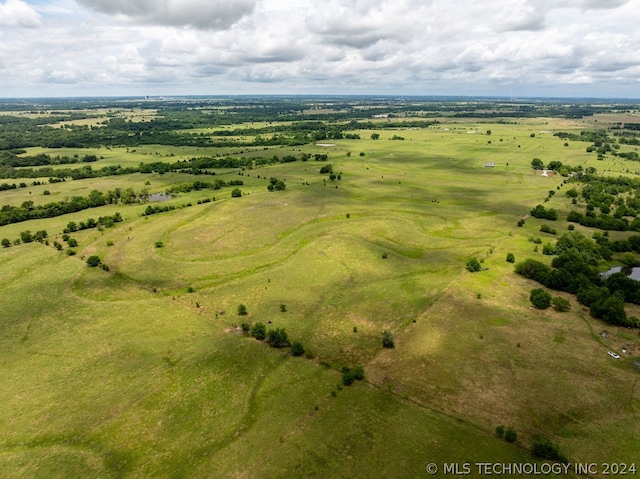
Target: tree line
<point>28,211</point>
<point>195,165</point>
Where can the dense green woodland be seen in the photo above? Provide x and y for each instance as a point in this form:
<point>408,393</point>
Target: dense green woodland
<point>184,114</point>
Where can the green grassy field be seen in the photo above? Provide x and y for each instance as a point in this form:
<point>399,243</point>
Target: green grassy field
<point>127,374</point>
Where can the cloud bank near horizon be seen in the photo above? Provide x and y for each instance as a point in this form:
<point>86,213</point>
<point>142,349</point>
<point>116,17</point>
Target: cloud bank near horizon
<point>480,47</point>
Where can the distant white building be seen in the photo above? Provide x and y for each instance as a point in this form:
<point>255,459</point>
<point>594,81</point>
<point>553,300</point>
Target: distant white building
<point>489,164</point>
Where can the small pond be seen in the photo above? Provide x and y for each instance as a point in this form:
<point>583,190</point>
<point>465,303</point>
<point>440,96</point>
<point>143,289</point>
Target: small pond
<point>159,197</point>
<point>631,272</point>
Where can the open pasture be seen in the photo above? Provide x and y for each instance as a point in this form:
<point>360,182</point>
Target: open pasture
<point>141,371</point>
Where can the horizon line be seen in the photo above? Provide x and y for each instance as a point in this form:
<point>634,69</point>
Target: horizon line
<point>157,97</point>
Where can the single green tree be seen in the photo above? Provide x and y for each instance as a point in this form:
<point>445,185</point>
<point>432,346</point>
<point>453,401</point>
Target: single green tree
<point>375,136</point>
<point>510,435</point>
<point>571,193</point>
<point>6,242</point>
<point>560,304</point>
<point>347,376</point>
<point>277,338</point>
<point>473,265</point>
<point>26,237</point>
<point>236,193</point>
<point>297,349</point>
<point>40,236</point>
<point>629,259</point>
<point>611,310</point>
<point>545,449</point>
<point>537,164</point>
<point>387,340</point>
<point>511,258</point>
<point>242,309</point>
<point>259,331</point>
<point>540,298</point>
<point>93,261</point>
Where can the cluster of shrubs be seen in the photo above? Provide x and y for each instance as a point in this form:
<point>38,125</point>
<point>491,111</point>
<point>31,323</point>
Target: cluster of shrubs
<point>26,237</point>
<point>615,198</point>
<point>544,213</point>
<point>547,229</point>
<point>541,447</point>
<point>603,221</point>
<point>509,434</point>
<point>202,185</point>
<point>276,185</point>
<point>276,337</point>
<point>103,221</point>
<point>545,449</point>
<point>94,261</point>
<point>155,209</point>
<point>41,236</point>
<point>541,299</point>
<point>350,375</point>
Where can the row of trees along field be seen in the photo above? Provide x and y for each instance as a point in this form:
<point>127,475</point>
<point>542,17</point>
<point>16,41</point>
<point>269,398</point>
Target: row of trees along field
<point>196,166</point>
<point>28,211</point>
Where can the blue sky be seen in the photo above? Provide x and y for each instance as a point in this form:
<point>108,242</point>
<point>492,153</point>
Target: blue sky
<point>556,48</point>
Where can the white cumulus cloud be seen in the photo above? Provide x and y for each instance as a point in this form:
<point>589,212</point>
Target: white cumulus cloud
<point>16,13</point>
<point>472,47</point>
<point>203,14</point>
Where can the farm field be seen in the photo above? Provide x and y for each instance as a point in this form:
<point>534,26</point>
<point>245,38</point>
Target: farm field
<point>141,369</point>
